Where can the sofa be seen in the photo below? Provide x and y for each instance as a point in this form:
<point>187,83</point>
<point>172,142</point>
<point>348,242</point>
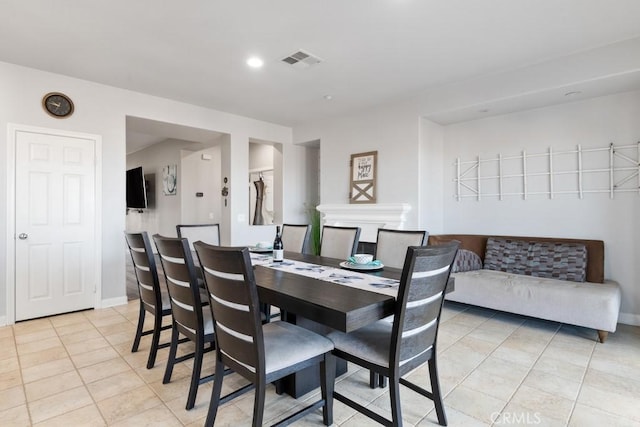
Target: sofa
<point>555,279</point>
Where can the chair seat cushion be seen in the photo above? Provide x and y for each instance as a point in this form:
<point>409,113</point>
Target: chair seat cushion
<point>371,343</point>
<point>286,344</point>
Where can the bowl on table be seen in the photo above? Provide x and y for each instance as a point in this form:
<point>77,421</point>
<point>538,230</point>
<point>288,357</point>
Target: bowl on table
<point>263,245</point>
<point>362,259</point>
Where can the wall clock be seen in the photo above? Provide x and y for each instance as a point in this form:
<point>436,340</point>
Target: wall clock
<point>57,104</point>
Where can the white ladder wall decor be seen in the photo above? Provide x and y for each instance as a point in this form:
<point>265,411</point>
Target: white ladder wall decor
<point>609,169</point>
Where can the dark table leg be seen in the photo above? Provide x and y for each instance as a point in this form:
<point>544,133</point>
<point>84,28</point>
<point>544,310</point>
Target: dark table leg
<point>308,379</point>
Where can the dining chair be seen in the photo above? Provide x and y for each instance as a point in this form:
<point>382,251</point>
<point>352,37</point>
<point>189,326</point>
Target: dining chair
<point>295,237</point>
<point>153,298</point>
<point>391,250</point>
<point>209,233</point>
<point>191,317</point>
<point>394,349</point>
<point>391,245</point>
<point>261,353</point>
<point>339,242</point>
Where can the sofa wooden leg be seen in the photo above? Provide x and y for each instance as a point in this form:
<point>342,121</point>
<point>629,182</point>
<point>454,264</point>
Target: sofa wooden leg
<point>602,336</point>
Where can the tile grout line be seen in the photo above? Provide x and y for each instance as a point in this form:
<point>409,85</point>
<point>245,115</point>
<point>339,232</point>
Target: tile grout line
<point>584,375</point>
<point>530,369</point>
<point>84,384</point>
<point>135,372</point>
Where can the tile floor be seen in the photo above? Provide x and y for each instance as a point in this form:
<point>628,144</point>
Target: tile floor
<point>496,369</point>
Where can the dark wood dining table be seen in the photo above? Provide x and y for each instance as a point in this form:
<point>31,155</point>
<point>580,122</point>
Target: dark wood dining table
<point>321,306</point>
<point>334,305</point>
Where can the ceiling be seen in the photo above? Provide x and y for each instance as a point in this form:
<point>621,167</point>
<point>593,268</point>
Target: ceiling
<point>454,59</point>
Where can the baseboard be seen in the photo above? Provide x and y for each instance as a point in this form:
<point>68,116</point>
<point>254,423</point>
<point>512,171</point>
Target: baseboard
<point>629,319</point>
<point>113,302</point>
<point>3,320</point>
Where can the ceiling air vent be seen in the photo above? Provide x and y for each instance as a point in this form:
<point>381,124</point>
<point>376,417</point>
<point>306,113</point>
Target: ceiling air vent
<point>301,59</point>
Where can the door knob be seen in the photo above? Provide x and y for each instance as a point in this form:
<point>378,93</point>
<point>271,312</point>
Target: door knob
<point>23,236</point>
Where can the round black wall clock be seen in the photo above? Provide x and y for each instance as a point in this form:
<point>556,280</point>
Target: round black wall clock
<point>57,104</point>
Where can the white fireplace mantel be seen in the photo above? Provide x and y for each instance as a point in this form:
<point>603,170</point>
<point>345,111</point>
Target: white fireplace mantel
<point>369,217</point>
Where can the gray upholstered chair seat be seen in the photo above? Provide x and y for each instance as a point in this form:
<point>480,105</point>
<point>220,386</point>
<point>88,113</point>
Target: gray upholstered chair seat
<point>280,337</point>
<point>370,343</point>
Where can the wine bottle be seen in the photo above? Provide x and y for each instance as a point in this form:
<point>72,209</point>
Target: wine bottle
<point>278,247</point>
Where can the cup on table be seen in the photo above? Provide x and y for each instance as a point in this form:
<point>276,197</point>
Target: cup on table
<point>362,258</point>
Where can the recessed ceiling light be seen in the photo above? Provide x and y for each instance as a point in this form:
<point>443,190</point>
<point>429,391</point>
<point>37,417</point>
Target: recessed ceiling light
<point>328,97</point>
<point>255,62</point>
<point>573,93</point>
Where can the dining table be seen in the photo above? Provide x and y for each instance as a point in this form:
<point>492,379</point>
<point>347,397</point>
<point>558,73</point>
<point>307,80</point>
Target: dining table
<point>322,306</point>
<point>334,305</point>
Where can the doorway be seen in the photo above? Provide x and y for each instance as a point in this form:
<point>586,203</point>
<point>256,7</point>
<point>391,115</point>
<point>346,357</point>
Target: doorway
<point>53,262</point>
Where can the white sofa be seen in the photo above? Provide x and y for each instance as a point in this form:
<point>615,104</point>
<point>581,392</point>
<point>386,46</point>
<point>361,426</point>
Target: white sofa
<point>500,273</point>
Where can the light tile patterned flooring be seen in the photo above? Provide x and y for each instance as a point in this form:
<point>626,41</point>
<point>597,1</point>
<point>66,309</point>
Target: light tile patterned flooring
<point>496,369</point>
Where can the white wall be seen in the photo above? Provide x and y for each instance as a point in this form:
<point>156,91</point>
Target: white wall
<point>431,177</point>
<point>201,176</point>
<point>102,110</point>
<point>591,123</point>
<point>393,131</point>
<point>416,166</point>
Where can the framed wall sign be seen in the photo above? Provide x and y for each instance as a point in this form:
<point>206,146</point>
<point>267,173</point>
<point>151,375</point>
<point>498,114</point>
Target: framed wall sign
<point>364,167</point>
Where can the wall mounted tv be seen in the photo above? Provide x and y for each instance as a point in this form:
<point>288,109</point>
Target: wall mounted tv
<point>136,189</point>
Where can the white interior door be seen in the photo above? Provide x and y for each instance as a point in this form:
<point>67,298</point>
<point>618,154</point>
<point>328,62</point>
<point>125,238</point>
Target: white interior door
<point>54,224</point>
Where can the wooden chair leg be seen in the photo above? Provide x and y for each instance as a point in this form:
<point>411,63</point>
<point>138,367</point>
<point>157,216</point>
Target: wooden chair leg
<point>602,336</point>
<point>155,340</point>
<point>327,384</point>
<point>258,404</point>
<point>394,394</point>
<point>195,375</point>
<point>172,355</point>
<point>215,394</point>
<point>136,340</point>
<point>436,393</point>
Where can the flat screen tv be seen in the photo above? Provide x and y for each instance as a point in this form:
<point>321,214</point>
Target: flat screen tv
<point>136,189</point>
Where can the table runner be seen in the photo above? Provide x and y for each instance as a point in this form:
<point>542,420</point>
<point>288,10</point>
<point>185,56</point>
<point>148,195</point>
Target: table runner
<point>340,276</point>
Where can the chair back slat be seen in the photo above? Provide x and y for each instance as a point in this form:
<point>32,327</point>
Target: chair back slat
<point>233,304</point>
<point>144,265</point>
<point>420,296</point>
<point>233,295</point>
<point>339,242</point>
<point>391,245</point>
<point>233,339</point>
<point>182,283</point>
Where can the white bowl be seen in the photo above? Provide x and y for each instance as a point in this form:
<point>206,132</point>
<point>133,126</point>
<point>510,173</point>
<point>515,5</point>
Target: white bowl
<point>263,245</point>
<point>363,258</point>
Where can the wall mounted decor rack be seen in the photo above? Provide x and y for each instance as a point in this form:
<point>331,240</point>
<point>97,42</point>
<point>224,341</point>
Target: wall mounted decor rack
<point>613,169</point>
